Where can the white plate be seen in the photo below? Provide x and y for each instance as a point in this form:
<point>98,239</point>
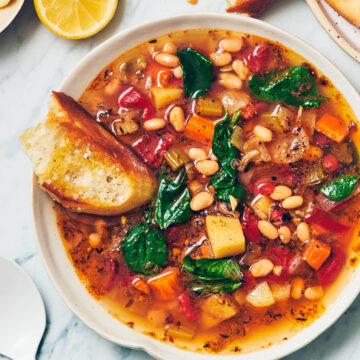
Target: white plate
<point>8,13</point>
<point>346,35</point>
<point>50,244</point>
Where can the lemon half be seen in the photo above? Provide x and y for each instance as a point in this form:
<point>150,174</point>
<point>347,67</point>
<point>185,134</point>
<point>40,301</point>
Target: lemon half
<point>75,19</point>
<point>3,3</point>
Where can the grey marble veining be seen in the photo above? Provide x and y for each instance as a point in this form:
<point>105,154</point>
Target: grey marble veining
<point>33,61</point>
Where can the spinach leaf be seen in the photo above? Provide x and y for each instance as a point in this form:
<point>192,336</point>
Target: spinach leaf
<point>340,188</point>
<point>172,202</point>
<point>200,286</point>
<point>213,275</point>
<point>144,249</point>
<point>225,180</point>
<point>237,191</point>
<point>295,86</point>
<point>197,72</point>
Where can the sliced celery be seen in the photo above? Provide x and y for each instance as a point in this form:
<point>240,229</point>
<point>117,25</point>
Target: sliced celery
<point>261,206</point>
<point>314,174</point>
<point>209,107</point>
<point>181,330</point>
<point>237,138</point>
<point>175,157</point>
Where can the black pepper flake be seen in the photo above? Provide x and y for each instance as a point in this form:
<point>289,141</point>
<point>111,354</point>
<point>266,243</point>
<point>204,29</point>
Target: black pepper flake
<point>129,303</point>
<point>153,41</point>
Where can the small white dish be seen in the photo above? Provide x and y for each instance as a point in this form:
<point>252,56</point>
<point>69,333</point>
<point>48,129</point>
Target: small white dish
<point>50,244</point>
<point>346,35</point>
<point>23,318</point>
<point>8,13</point>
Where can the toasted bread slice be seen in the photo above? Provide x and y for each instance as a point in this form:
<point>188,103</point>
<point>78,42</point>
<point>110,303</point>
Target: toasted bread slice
<point>82,165</point>
<point>349,9</point>
<point>249,7</point>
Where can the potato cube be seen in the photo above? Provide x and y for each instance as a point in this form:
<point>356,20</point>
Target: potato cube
<point>225,235</point>
<point>181,329</point>
<point>164,96</point>
<point>261,296</point>
<point>157,317</point>
<point>240,296</point>
<point>217,308</point>
<point>280,291</point>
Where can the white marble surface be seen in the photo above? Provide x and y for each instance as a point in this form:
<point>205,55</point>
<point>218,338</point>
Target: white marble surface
<point>33,61</point>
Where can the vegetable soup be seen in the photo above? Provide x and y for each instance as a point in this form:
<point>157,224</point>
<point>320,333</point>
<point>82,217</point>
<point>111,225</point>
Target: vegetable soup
<point>252,224</point>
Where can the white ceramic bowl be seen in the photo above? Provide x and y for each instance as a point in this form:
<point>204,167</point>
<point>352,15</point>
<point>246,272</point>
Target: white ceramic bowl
<point>50,244</point>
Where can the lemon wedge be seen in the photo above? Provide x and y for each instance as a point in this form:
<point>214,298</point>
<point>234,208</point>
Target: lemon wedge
<point>3,3</point>
<point>75,19</point>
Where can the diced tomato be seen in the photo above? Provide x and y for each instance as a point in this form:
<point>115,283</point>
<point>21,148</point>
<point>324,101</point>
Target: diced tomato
<point>151,147</point>
<point>175,234</point>
<point>249,281</point>
<point>111,268</point>
<point>261,107</point>
<point>251,232</point>
<point>249,112</point>
<point>252,110</point>
<point>277,215</point>
<point>247,216</point>
<point>186,307</point>
<point>331,268</point>
<point>341,206</point>
<point>330,162</point>
<point>131,97</point>
<point>324,220</point>
<point>250,228</point>
<point>256,59</point>
<point>287,176</point>
<point>254,184</point>
<point>263,188</point>
<point>321,140</point>
<point>175,82</point>
<point>280,257</point>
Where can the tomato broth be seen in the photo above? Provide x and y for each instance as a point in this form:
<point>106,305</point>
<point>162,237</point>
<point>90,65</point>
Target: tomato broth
<point>253,230</point>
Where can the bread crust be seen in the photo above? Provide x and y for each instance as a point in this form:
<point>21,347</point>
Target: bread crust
<point>349,9</point>
<point>88,136</point>
<point>250,7</point>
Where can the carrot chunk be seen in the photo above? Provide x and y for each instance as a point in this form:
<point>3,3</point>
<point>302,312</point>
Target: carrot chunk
<point>313,153</point>
<point>141,285</point>
<point>204,251</point>
<point>166,285</point>
<point>200,129</point>
<point>332,127</point>
<point>160,75</point>
<point>316,252</point>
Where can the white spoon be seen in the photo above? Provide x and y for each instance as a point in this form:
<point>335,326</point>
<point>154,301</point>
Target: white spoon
<point>22,313</point>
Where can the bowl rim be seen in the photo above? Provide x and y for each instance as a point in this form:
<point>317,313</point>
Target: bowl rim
<point>214,21</point>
